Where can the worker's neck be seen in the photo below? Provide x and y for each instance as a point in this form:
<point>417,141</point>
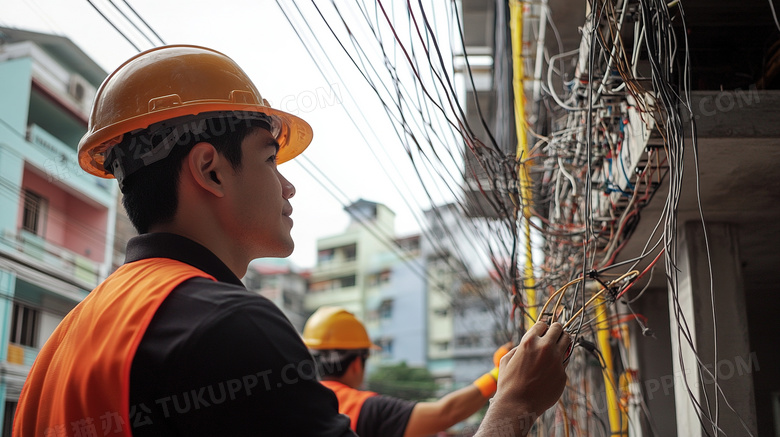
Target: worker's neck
<point>209,236</point>
<point>343,380</point>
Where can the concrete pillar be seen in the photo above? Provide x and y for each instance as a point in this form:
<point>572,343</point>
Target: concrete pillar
<point>692,300</point>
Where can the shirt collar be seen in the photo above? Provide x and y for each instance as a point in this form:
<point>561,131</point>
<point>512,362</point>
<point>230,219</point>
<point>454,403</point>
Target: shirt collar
<point>165,245</point>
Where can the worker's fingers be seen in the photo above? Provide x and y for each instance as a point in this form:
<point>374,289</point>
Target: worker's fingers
<point>557,337</point>
<point>553,333</point>
<point>537,330</point>
<point>565,343</point>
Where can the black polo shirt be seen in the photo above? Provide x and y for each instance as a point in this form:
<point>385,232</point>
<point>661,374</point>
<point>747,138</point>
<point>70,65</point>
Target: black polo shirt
<point>217,360</point>
<point>384,416</point>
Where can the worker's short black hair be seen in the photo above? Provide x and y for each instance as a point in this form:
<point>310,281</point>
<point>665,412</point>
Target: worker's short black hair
<point>150,195</point>
<point>334,363</point>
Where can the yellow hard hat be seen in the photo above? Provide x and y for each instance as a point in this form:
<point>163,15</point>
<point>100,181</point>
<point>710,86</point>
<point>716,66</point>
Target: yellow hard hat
<point>175,81</point>
<point>333,327</point>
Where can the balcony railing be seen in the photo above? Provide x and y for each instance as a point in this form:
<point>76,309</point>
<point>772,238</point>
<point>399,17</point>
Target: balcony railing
<point>60,163</point>
<point>314,300</point>
<point>65,263</point>
<point>333,267</point>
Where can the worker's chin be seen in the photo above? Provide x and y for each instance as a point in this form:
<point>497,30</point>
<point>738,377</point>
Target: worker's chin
<point>284,250</point>
<point>279,247</point>
<point>286,253</point>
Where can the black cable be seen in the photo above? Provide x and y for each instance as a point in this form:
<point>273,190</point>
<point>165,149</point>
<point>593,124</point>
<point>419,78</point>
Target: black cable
<point>411,135</point>
<point>132,23</point>
<point>113,25</point>
<point>145,23</point>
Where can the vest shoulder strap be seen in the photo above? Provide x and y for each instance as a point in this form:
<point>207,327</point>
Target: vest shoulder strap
<point>82,373</point>
<point>350,400</point>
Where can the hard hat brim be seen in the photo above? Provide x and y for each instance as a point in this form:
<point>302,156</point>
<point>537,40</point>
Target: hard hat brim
<point>294,137</point>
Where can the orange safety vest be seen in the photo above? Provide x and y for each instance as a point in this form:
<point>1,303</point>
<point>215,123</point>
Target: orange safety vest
<point>79,384</point>
<point>350,400</point>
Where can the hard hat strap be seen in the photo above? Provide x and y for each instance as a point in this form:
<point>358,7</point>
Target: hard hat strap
<point>125,159</point>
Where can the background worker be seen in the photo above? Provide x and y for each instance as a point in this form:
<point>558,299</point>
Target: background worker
<point>172,343</point>
<point>340,345</point>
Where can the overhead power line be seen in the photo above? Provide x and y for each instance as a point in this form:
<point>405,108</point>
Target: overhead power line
<point>113,25</point>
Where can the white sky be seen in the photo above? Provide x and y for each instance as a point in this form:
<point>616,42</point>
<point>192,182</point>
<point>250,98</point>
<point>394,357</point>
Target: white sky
<point>256,34</point>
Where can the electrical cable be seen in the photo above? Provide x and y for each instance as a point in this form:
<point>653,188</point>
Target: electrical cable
<point>145,24</point>
<point>132,23</point>
<point>113,25</point>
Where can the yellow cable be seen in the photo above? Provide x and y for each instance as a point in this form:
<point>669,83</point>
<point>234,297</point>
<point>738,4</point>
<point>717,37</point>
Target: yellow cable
<point>613,407</point>
<point>617,413</point>
<point>516,29</point>
<point>574,317</point>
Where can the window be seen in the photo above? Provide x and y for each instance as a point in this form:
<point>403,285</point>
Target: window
<point>332,284</point>
<point>380,278</point>
<point>10,410</point>
<point>34,213</point>
<point>350,252</point>
<point>347,281</point>
<point>442,346</point>
<point>468,341</point>
<point>386,309</point>
<point>409,244</point>
<point>24,325</point>
<point>441,312</point>
<point>386,345</point>
<point>315,287</point>
<point>325,255</point>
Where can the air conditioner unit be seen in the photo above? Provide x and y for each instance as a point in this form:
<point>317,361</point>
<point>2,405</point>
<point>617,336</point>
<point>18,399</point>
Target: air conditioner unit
<point>81,91</point>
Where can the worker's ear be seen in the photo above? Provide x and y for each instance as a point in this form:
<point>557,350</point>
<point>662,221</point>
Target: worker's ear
<point>206,166</point>
<point>355,366</point>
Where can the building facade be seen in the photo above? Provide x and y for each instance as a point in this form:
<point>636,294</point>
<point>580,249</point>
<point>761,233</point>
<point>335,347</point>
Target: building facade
<point>378,277</point>
<point>56,221</point>
<point>479,327</point>
<point>461,301</point>
<point>396,306</point>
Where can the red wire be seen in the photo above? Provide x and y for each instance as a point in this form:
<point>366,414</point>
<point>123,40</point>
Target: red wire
<point>650,266</point>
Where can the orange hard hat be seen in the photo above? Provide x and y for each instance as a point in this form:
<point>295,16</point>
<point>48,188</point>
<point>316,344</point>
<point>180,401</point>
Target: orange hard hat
<point>171,82</point>
<point>333,327</point>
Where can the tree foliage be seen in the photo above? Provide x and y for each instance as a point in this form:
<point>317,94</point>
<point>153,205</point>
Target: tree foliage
<point>402,381</point>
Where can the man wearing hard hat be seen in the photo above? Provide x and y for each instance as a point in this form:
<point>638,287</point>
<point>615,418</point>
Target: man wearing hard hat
<point>172,343</point>
<point>340,345</point>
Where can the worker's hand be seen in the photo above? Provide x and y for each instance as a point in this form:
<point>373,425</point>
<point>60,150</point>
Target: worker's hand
<point>533,374</point>
<point>501,351</point>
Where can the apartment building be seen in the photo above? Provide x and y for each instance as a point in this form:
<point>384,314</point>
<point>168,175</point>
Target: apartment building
<point>56,221</point>
<point>377,276</point>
